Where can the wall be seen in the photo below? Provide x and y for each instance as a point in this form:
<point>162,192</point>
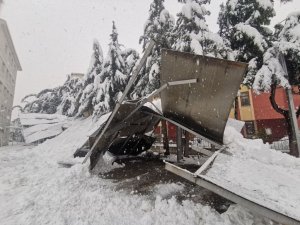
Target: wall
<point>9,65</point>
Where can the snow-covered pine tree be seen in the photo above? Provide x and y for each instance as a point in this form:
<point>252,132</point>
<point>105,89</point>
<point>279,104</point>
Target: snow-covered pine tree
<point>271,74</point>
<point>130,56</point>
<point>113,78</point>
<point>244,23</point>
<point>192,34</point>
<point>158,27</point>
<point>70,93</point>
<point>90,84</point>
<point>45,101</point>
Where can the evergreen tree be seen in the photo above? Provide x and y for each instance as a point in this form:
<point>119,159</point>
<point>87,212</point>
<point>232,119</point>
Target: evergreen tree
<point>243,23</point>
<point>192,34</point>
<point>158,27</point>
<point>45,101</point>
<point>89,90</point>
<point>272,74</point>
<point>70,93</point>
<point>286,42</point>
<point>113,78</point>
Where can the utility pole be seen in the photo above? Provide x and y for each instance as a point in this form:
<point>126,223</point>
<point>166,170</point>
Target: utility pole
<point>292,114</point>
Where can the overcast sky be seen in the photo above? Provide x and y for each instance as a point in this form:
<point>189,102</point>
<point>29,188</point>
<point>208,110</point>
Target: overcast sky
<point>54,38</point>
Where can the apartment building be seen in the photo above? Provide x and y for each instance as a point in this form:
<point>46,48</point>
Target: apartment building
<point>261,120</point>
<point>9,65</point>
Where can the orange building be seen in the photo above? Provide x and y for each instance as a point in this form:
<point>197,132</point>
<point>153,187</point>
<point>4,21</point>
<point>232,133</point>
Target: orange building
<point>261,120</point>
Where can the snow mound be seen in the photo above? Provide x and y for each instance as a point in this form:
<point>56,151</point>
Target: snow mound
<point>254,171</point>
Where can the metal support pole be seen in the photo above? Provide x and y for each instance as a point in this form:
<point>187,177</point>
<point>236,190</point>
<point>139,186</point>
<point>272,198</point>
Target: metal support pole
<point>292,113</point>
<point>294,122</point>
<point>164,129</point>
<point>179,144</point>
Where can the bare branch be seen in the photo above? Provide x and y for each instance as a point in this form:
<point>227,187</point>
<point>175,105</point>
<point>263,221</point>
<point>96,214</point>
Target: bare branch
<point>273,101</point>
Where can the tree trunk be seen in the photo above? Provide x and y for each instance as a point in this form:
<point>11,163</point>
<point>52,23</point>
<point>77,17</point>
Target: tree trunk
<point>165,137</point>
<point>285,113</point>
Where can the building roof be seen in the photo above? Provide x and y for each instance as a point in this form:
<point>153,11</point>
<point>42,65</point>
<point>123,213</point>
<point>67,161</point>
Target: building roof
<point>4,27</point>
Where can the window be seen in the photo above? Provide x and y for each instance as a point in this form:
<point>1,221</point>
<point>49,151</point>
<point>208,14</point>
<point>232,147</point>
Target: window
<point>249,125</point>
<point>245,101</point>
<point>268,131</point>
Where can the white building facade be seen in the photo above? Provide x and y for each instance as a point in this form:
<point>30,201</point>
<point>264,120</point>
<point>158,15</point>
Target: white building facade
<point>9,65</point>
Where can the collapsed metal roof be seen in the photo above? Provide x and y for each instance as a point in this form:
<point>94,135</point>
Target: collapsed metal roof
<point>196,92</point>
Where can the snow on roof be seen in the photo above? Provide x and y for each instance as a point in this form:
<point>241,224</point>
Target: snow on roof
<point>258,173</point>
<point>42,131</point>
<point>73,138</point>
<point>30,119</point>
<point>40,126</point>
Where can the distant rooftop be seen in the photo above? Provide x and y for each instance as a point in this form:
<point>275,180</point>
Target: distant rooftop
<point>77,75</point>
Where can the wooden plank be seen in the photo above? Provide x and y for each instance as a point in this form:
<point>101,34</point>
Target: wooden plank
<point>250,205</point>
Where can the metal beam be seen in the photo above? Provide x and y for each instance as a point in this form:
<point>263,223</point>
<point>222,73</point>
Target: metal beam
<point>127,89</point>
<point>208,162</point>
<point>202,150</point>
<point>252,206</point>
<point>185,128</point>
<point>190,81</point>
<point>156,92</point>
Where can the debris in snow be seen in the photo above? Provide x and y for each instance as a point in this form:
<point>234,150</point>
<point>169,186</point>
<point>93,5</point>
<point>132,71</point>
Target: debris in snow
<point>40,126</point>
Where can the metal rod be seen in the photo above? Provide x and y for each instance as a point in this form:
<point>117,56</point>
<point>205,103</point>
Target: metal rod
<point>127,89</point>
<point>187,129</point>
<point>209,161</point>
<point>202,151</point>
<point>252,206</point>
<point>190,81</point>
<point>156,92</point>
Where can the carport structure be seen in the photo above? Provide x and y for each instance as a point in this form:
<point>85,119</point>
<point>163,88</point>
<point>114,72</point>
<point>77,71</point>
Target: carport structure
<point>197,93</point>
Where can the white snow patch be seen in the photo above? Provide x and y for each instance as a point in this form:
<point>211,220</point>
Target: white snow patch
<point>165,190</point>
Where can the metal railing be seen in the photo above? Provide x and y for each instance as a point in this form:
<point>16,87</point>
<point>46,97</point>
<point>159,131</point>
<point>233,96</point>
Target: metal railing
<point>281,145</point>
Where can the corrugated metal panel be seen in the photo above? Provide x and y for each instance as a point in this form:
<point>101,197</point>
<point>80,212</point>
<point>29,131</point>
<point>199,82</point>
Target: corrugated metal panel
<point>204,106</point>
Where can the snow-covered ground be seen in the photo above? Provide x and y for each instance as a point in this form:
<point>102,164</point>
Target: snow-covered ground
<point>36,189</point>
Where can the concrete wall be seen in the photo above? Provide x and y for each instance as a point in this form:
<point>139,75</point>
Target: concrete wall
<point>9,65</point>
